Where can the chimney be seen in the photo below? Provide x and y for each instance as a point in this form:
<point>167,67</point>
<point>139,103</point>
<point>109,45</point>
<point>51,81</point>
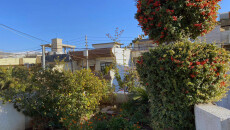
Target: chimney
<point>57,46</point>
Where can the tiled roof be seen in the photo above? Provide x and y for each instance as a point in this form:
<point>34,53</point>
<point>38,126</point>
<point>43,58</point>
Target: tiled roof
<point>92,54</point>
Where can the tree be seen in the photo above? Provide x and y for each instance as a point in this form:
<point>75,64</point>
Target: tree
<point>167,21</point>
<point>116,36</point>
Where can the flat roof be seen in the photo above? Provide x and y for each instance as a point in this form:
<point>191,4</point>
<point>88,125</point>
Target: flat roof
<point>108,43</point>
<point>63,45</point>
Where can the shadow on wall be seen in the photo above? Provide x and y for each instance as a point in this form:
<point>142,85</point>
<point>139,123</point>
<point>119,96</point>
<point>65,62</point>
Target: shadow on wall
<point>225,102</point>
<point>122,72</point>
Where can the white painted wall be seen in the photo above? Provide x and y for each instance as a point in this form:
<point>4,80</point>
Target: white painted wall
<point>123,59</point>
<point>211,117</point>
<point>10,118</point>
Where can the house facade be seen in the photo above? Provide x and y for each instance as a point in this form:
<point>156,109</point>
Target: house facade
<point>139,47</point>
<point>104,55</point>
<point>59,53</point>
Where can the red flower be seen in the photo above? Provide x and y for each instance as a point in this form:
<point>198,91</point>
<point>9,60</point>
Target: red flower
<point>167,10</point>
<point>192,67</point>
<point>165,28</point>
<point>172,58</point>
<point>174,18</point>
<point>217,74</point>
<point>190,63</point>
<point>147,84</point>
<point>186,92</point>
<point>222,83</point>
<point>203,13</point>
<point>197,63</point>
<point>159,24</point>
<point>192,76</point>
<point>203,62</point>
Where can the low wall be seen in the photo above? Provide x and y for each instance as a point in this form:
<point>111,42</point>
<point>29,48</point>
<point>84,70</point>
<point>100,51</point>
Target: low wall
<point>211,117</point>
<point>10,118</point>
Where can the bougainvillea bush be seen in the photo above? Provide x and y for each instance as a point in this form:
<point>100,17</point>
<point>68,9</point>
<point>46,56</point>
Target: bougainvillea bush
<point>52,98</point>
<point>166,21</point>
<point>180,75</point>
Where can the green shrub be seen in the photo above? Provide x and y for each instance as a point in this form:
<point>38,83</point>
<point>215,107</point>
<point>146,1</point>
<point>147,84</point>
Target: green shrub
<point>52,98</point>
<point>137,108</point>
<point>117,123</point>
<point>180,75</point>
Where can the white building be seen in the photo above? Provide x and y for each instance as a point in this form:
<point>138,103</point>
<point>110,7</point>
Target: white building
<point>103,55</point>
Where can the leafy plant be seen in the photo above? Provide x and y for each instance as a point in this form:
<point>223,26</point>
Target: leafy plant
<point>53,98</point>
<point>139,94</point>
<point>180,75</point>
<point>137,108</point>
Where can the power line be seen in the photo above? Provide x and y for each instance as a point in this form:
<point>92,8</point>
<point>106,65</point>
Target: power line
<point>107,37</point>
<point>9,28</point>
<point>74,39</point>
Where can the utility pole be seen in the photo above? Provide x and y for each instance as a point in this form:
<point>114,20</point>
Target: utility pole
<point>86,45</point>
<point>43,57</point>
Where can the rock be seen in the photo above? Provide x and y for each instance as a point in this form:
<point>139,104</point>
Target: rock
<point>104,110</point>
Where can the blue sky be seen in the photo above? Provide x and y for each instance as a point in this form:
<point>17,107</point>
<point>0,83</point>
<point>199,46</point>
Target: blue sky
<point>68,19</point>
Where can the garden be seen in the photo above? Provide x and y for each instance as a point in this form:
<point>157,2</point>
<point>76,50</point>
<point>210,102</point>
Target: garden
<point>168,81</point>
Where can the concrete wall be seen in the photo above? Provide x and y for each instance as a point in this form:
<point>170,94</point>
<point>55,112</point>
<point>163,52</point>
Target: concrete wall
<point>19,61</point>
<point>29,60</point>
<point>9,61</point>
<point>211,117</point>
<point>10,118</point>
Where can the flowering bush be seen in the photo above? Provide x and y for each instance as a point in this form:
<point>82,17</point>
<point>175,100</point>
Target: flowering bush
<point>172,20</point>
<point>180,75</point>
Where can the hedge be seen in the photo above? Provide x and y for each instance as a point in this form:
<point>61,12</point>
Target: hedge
<point>180,75</point>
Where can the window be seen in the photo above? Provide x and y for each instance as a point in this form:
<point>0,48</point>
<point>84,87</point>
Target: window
<point>104,64</point>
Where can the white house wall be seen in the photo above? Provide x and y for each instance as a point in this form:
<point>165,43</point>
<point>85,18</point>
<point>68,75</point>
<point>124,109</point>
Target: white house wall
<point>123,60</point>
